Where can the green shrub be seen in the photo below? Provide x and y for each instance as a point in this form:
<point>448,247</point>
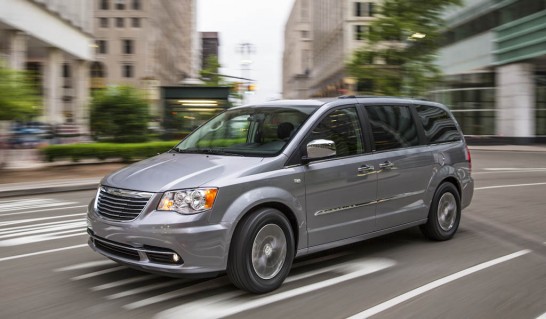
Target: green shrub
<point>126,152</point>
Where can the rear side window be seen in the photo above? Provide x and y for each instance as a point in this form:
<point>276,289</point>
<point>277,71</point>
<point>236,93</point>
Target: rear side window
<point>392,127</point>
<point>438,125</point>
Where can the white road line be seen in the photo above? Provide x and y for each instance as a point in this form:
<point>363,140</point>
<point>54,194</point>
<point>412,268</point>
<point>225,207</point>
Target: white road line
<point>42,210</point>
<point>39,238</point>
<point>98,273</point>
<point>42,252</point>
<point>29,204</point>
<point>221,306</point>
<point>207,285</point>
<point>543,316</point>
<point>89,264</point>
<point>506,186</point>
<point>435,284</point>
<point>500,169</point>
<point>123,282</point>
<point>139,290</point>
<point>37,226</point>
<point>39,230</point>
<point>30,220</point>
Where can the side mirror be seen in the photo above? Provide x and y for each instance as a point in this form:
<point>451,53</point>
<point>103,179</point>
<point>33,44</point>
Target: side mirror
<point>317,149</point>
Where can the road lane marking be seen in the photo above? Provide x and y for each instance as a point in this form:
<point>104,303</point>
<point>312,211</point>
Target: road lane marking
<point>40,238</point>
<point>37,226</point>
<point>42,210</point>
<point>31,203</point>
<point>435,284</point>
<point>523,169</point>
<point>220,305</point>
<point>98,273</point>
<point>42,229</point>
<point>506,186</point>
<point>89,264</point>
<point>202,286</point>
<point>42,252</point>
<point>30,220</point>
<point>139,290</point>
<point>543,316</point>
<point>123,282</point>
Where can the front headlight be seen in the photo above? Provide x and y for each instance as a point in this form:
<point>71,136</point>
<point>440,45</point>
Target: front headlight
<point>188,201</point>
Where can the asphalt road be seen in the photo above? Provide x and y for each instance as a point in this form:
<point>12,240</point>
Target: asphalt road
<point>495,267</point>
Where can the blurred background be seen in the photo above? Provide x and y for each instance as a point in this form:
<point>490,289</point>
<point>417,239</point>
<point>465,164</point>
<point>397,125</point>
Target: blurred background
<point>128,71</point>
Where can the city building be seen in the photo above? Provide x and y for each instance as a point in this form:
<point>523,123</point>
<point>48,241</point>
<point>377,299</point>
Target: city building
<point>297,55</point>
<point>53,40</point>
<point>146,44</point>
<point>331,33</point>
<point>210,42</point>
<point>494,61</point>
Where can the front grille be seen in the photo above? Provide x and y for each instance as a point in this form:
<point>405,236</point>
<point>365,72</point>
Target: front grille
<point>119,204</point>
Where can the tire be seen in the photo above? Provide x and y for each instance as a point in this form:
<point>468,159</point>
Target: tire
<point>261,252</point>
<point>444,215</point>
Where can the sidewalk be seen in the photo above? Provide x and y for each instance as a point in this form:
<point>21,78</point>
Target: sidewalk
<point>29,176</point>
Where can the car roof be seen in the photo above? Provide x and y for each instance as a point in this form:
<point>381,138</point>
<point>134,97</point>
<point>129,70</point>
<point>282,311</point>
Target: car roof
<point>362,99</point>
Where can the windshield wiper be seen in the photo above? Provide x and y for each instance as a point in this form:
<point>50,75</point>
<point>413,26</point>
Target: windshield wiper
<point>205,151</point>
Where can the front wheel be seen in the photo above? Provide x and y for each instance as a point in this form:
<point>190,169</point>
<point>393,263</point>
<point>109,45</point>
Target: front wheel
<point>261,252</point>
<point>444,215</point>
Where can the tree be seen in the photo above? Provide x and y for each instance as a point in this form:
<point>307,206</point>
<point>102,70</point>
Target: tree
<point>209,74</point>
<point>119,113</point>
<point>19,99</point>
<point>400,51</point>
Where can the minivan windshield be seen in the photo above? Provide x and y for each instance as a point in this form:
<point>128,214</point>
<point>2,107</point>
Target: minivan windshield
<point>247,131</point>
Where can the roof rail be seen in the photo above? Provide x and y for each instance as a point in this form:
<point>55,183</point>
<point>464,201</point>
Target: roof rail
<point>346,97</point>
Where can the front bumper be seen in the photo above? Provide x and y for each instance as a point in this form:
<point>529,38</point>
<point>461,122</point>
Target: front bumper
<point>151,241</point>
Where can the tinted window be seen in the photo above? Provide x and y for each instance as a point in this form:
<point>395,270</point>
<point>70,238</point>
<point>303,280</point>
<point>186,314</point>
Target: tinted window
<point>392,127</point>
<point>343,127</point>
<point>439,126</point>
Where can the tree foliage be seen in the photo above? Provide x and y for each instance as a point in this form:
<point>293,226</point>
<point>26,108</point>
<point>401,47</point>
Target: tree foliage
<point>396,59</point>
<point>119,113</point>
<point>209,74</point>
<point>19,99</point>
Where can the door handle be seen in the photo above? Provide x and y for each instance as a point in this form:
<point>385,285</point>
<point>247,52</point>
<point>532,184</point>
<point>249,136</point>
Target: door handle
<point>386,165</point>
<point>365,170</point>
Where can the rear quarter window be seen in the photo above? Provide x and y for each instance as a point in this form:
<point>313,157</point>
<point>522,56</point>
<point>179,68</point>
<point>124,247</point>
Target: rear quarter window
<point>438,125</point>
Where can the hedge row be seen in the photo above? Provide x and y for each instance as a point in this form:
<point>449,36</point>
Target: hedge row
<point>102,151</point>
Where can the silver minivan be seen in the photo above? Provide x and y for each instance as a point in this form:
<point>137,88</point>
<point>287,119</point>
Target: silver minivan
<point>257,186</point>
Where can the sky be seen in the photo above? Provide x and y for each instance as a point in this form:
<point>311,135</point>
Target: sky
<point>259,22</point>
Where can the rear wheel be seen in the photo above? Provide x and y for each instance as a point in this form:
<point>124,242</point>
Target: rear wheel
<point>262,251</point>
<point>444,215</point>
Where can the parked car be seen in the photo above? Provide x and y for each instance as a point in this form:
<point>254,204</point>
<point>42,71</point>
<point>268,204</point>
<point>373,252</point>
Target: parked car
<point>257,186</point>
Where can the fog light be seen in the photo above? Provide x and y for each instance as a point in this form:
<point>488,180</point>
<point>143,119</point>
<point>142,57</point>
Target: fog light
<point>176,258</point>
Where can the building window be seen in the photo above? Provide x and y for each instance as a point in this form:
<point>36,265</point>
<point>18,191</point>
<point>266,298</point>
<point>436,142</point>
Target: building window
<point>305,34</point>
<point>135,22</point>
<point>127,70</point>
<point>136,5</point>
<point>103,22</point>
<point>102,47</point>
<point>66,70</point>
<point>105,5</point>
<point>120,4</point>
<point>361,31</point>
<point>120,23</point>
<point>364,9</point>
<point>128,46</point>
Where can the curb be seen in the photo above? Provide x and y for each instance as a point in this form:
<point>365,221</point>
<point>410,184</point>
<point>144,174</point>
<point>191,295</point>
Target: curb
<point>25,191</point>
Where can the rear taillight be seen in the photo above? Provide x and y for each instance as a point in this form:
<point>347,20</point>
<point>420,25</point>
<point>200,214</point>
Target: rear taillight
<point>468,159</point>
